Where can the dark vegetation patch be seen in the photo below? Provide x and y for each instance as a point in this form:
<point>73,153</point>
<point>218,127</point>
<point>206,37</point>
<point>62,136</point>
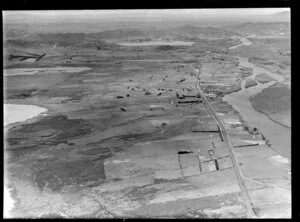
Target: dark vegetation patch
<point>74,94</point>
<point>263,78</point>
<point>178,129</point>
<point>51,131</point>
<point>250,82</point>
<point>58,173</point>
<point>275,99</point>
<point>94,150</point>
<point>166,47</point>
<point>184,152</point>
<point>51,216</point>
<point>23,94</point>
<point>37,82</point>
<point>142,193</point>
<point>179,180</point>
<point>61,40</point>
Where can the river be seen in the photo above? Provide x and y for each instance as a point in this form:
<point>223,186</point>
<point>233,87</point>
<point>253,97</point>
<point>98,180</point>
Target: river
<point>244,41</point>
<point>278,135</point>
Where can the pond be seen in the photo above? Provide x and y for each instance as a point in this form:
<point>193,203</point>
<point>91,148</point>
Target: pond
<point>17,112</point>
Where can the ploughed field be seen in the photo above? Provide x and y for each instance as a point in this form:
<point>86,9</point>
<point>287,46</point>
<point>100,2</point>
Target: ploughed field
<point>117,142</point>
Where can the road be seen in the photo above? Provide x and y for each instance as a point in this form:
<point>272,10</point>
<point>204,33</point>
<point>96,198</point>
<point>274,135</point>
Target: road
<point>225,136</point>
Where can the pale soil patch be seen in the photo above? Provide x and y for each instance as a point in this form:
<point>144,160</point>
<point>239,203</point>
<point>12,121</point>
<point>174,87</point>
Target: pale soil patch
<point>277,211</point>
<point>32,71</point>
<point>260,142</point>
<point>193,194</point>
<point>69,86</point>
<point>270,196</point>
<point>34,203</point>
<point>280,159</point>
<point>8,201</point>
<point>93,80</point>
<point>154,43</point>
<point>96,74</point>
<point>225,212</point>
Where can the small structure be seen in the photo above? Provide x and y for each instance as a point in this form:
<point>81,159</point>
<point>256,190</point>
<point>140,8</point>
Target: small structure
<point>179,96</point>
<point>163,124</point>
<point>190,101</point>
<point>213,158</point>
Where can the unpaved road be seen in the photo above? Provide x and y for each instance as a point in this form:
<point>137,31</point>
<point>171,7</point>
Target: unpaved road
<point>223,131</point>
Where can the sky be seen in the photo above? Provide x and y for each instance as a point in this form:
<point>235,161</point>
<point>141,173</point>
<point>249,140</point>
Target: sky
<point>154,12</point>
<point>199,16</point>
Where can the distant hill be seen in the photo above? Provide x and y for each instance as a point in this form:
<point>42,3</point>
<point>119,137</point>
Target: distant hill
<point>264,28</point>
<point>191,31</point>
<point>97,39</point>
<point>282,15</point>
<point>59,39</point>
<point>117,34</point>
<point>182,31</point>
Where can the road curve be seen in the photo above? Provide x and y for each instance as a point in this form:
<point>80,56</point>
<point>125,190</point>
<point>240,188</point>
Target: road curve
<point>225,136</point>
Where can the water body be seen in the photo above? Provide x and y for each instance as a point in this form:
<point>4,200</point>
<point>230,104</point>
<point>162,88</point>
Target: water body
<point>244,41</point>
<point>279,136</point>
<point>32,71</point>
<point>17,113</point>
<point>173,43</point>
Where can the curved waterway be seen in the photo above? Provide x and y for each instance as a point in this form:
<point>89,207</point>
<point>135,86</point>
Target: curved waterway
<point>278,135</point>
<point>244,41</point>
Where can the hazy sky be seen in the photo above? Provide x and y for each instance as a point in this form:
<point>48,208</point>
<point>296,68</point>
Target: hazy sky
<point>154,16</point>
<point>154,12</point>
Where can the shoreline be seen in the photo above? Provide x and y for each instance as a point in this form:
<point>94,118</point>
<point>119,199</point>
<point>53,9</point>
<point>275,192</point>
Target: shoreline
<point>227,93</point>
<point>245,123</point>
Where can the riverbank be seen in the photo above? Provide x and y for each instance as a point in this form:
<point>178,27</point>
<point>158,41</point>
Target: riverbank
<point>278,135</point>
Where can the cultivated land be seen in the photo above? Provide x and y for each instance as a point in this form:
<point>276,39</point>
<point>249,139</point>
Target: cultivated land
<point>118,142</point>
